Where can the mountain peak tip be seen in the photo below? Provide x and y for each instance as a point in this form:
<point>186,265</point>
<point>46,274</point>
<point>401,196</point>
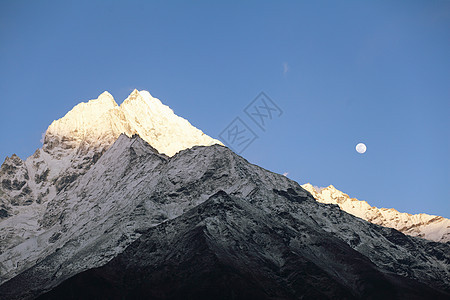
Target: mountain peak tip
<point>106,98</point>
<point>105,94</point>
<point>145,94</point>
<point>135,94</point>
<point>142,93</point>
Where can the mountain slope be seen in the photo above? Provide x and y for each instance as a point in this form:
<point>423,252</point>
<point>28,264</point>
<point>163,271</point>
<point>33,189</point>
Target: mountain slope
<point>112,205</point>
<point>430,227</point>
<point>226,248</point>
<point>154,191</point>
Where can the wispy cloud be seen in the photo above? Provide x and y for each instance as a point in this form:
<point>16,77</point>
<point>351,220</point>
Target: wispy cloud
<point>285,68</point>
<point>42,137</point>
<point>285,174</point>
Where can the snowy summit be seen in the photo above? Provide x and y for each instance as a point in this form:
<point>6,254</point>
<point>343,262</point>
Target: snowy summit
<point>101,121</point>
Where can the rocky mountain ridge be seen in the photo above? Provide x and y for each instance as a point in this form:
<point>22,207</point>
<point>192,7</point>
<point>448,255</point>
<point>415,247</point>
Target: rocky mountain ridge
<point>426,226</point>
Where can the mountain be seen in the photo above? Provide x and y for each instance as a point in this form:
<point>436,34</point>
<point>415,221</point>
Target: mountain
<point>430,227</point>
<point>133,220</point>
<point>71,146</point>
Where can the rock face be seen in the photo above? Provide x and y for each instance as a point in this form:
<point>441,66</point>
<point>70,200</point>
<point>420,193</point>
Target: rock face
<point>430,227</point>
<point>125,219</point>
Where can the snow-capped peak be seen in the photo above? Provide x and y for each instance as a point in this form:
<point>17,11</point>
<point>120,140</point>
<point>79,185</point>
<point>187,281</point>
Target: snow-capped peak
<point>99,122</point>
<point>106,97</point>
<point>145,94</point>
<point>81,118</point>
<point>431,227</point>
<point>135,95</point>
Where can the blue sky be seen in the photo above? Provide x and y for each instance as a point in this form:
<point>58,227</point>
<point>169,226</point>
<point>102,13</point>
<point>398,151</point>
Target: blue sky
<point>342,72</point>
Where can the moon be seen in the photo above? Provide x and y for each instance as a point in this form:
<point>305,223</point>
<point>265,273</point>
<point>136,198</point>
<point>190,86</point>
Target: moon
<point>361,148</point>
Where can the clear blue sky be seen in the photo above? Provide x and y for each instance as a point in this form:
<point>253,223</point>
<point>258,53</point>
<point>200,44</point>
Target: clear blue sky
<point>343,72</point>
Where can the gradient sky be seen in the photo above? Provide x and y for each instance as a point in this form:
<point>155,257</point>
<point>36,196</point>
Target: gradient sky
<point>342,72</point>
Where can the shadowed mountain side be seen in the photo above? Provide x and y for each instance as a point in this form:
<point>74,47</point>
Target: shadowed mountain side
<point>227,249</point>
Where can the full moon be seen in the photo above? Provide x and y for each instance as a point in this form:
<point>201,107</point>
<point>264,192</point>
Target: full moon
<point>361,148</point>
